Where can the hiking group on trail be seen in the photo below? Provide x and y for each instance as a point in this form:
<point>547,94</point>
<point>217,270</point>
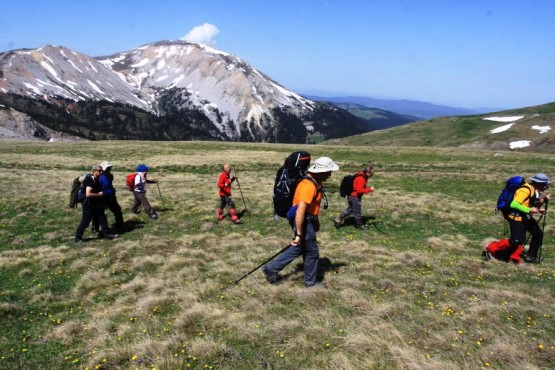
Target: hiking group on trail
<point>297,196</point>
<point>96,192</point>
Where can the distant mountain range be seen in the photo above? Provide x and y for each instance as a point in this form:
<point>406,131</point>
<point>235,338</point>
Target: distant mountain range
<point>414,109</point>
<point>168,90</point>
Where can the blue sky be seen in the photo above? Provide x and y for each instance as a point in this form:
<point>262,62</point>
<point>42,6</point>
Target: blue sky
<point>471,53</point>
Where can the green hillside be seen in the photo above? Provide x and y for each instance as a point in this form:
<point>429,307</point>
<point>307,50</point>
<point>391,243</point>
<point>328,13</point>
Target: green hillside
<point>468,131</point>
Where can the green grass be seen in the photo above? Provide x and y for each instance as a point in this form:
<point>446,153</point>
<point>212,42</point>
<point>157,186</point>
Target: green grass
<point>411,292</point>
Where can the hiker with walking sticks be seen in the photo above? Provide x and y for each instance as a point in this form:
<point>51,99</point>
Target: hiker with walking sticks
<point>224,186</point>
<point>527,202</point>
<point>139,188</point>
<point>303,218</point>
<point>354,187</point>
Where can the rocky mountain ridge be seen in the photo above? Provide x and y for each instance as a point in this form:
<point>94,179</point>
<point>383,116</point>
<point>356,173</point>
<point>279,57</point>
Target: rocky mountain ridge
<point>168,90</point>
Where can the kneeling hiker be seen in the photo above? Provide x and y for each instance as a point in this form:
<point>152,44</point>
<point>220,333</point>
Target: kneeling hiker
<point>519,214</point>
<point>224,186</point>
<point>303,217</point>
<point>139,191</point>
<point>357,187</point>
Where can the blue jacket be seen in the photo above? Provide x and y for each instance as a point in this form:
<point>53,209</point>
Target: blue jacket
<point>106,184</point>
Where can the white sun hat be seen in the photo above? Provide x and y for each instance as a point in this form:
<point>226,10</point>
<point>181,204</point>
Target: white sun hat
<point>323,164</point>
<point>105,165</point>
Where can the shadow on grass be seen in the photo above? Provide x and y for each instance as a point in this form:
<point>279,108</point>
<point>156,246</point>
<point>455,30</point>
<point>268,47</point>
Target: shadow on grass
<point>129,226</point>
<point>243,212</point>
<point>325,265</point>
<point>366,220</point>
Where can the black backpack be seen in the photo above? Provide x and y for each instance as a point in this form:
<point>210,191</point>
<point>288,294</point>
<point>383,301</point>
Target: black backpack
<point>77,194</point>
<point>287,177</point>
<point>346,186</point>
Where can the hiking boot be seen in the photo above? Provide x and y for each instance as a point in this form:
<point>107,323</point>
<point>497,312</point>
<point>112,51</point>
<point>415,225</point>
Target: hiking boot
<point>529,259</point>
<point>361,227</point>
<point>487,255</point>
<point>153,216</point>
<point>94,230</point>
<point>270,277</point>
<point>338,221</point>
<point>78,241</point>
<point>220,214</point>
<point>237,221</point>
<point>107,235</point>
<point>515,261</point>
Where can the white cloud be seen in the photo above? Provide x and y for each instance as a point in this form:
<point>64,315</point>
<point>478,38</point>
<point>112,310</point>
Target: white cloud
<point>204,34</point>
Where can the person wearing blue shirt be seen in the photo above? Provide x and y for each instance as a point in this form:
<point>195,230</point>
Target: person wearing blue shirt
<point>110,201</point>
<point>106,182</point>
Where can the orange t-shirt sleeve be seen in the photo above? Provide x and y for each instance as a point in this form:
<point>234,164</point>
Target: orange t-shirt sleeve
<point>306,192</point>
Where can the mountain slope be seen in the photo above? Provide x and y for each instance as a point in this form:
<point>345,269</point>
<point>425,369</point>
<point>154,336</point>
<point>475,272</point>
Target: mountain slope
<point>378,119</point>
<point>422,110</point>
<point>527,129</point>
<point>168,90</point>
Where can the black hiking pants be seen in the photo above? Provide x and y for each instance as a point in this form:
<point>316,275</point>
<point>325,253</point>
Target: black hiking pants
<point>518,234</point>
<point>92,210</point>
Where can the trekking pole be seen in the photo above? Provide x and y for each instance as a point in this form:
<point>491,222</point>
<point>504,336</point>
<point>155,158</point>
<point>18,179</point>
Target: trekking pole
<point>379,212</point>
<point>543,227</point>
<point>544,215</point>
<point>262,264</point>
<point>161,198</point>
<point>240,191</point>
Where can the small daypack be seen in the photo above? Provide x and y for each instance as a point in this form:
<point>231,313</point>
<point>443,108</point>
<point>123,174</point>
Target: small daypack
<point>78,193</point>
<point>287,177</point>
<point>508,193</point>
<point>130,181</point>
<point>347,185</point>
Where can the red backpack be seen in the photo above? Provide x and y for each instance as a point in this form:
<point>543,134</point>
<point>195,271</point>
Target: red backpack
<point>130,181</point>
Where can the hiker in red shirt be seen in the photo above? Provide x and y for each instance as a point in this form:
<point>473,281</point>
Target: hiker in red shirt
<point>224,185</point>
<point>354,200</point>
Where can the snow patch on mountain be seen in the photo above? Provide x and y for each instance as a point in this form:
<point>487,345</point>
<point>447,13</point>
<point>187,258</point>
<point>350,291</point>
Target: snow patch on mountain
<point>541,129</point>
<point>519,144</point>
<point>503,119</point>
<point>501,129</point>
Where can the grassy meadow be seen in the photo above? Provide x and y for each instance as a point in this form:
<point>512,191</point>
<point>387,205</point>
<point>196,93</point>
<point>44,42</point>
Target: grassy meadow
<point>411,292</point>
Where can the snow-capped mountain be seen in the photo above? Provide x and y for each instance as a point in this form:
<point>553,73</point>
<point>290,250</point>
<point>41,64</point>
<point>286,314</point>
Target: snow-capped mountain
<point>58,71</point>
<point>187,89</point>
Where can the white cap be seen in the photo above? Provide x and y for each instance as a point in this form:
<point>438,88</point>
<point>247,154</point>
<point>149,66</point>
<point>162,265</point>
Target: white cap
<point>323,164</point>
<point>105,165</point>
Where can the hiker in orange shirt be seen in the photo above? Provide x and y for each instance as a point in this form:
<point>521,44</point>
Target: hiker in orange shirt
<point>224,186</point>
<point>303,217</point>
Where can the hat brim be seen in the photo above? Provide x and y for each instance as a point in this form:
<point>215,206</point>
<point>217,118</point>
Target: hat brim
<point>314,169</point>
